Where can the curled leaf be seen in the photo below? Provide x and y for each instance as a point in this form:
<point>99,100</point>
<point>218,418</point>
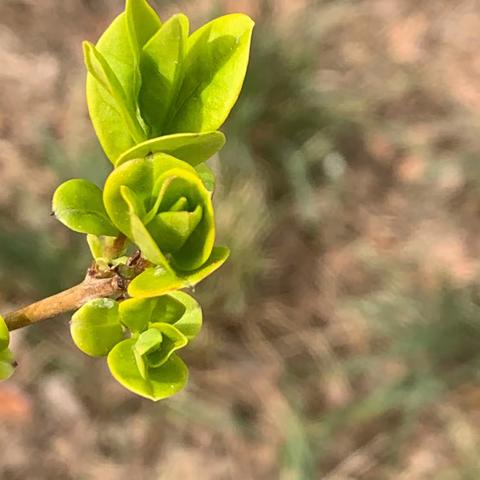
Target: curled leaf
<point>177,309</point>
<point>156,345</point>
<point>162,206</point>
<point>154,383</point>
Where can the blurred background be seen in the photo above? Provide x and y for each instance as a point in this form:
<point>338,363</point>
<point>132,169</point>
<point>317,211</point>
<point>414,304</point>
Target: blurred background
<point>342,339</point>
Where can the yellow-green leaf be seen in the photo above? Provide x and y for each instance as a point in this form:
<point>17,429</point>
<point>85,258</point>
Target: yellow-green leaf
<point>215,67</point>
<point>161,67</point>
<point>193,148</point>
<point>78,204</point>
<point>160,382</point>
<point>96,327</point>
<point>158,281</point>
<point>4,334</point>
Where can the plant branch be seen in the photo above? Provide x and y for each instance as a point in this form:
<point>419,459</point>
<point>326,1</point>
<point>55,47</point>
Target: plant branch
<point>67,301</point>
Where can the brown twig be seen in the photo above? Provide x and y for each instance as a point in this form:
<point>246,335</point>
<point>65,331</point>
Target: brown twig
<point>111,282</point>
<point>67,301</point>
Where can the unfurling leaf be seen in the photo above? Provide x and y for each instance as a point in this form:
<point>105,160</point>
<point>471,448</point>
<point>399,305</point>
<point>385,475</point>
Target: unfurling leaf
<point>162,205</point>
<point>156,345</point>
<point>160,382</point>
<point>78,204</point>
<point>177,308</point>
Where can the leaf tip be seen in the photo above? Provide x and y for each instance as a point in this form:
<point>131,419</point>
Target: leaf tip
<point>87,48</point>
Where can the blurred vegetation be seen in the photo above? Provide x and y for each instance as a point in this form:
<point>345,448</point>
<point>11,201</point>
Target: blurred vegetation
<point>341,339</point>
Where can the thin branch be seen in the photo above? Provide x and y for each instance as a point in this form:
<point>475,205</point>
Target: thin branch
<point>66,301</point>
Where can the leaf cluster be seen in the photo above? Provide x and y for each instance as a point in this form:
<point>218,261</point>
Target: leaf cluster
<point>157,96</point>
<point>140,337</point>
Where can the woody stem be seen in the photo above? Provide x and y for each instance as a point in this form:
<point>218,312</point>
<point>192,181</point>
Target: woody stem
<point>66,301</point>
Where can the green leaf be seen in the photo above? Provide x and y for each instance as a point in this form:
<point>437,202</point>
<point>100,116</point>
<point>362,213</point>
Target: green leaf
<point>161,382</point>
<point>190,323</point>
<point>138,233</point>
<point>115,47</point>
<point>108,120</point>
<point>156,345</point>
<point>7,364</point>
<point>174,228</point>
<point>4,334</point>
<point>177,308</point>
<point>96,327</point>
<point>101,71</point>
<point>140,190</point>
<point>142,24</point>
<point>78,204</point>
<point>193,148</point>
<point>161,67</point>
<point>215,67</point>
<point>148,341</point>
<point>135,313</point>
<point>172,340</point>
<point>157,281</point>
<point>166,309</point>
